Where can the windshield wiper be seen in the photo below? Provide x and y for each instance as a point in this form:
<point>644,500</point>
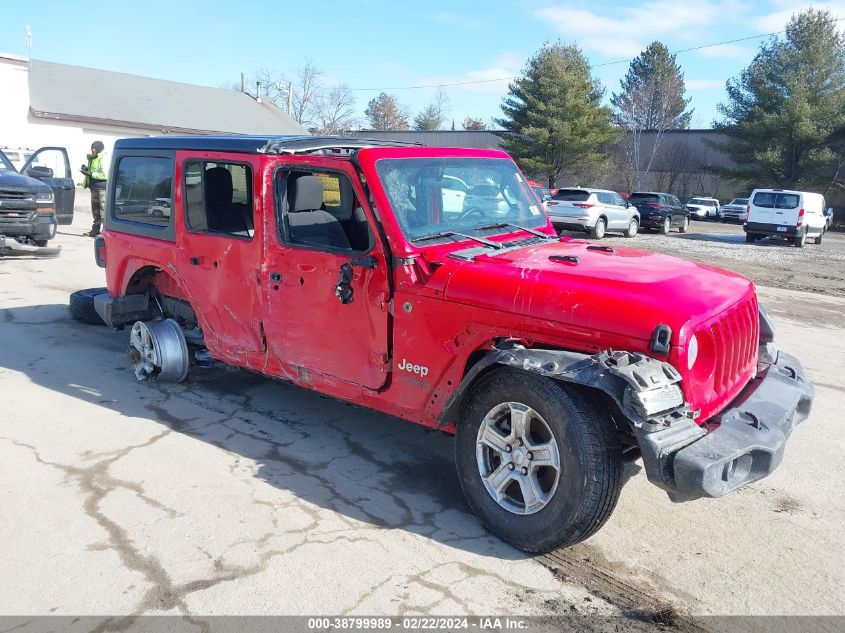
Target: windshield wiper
<point>480,240</point>
<point>501,225</point>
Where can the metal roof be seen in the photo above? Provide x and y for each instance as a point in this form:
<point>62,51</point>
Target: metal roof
<point>89,95</point>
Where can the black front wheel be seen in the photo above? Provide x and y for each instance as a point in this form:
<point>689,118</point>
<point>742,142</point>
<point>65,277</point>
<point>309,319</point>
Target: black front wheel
<point>540,466</point>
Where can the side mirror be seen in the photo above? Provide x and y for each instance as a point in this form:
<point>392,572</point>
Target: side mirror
<point>627,204</point>
<point>39,172</point>
<point>829,211</point>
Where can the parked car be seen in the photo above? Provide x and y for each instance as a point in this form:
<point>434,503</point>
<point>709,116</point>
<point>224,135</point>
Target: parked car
<point>543,194</point>
<point>551,361</point>
<point>735,210</point>
<point>160,208</point>
<point>661,211</point>
<point>789,215</point>
<point>32,201</point>
<point>701,208</point>
<point>594,211</point>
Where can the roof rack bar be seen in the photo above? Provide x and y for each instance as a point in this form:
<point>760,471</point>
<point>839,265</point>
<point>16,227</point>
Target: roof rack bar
<point>304,145</point>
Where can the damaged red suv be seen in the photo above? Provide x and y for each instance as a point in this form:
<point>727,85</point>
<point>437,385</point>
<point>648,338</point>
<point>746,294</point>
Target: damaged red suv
<point>428,283</point>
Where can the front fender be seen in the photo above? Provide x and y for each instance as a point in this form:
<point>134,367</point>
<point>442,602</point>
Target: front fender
<point>636,382</point>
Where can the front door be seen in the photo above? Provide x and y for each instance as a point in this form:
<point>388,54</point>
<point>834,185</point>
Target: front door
<point>326,277</point>
<point>220,248</point>
<point>51,166</point>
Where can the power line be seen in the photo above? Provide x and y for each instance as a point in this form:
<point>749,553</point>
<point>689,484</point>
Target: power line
<point>613,63</point>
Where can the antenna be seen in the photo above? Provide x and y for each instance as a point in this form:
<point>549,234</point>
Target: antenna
<point>29,45</point>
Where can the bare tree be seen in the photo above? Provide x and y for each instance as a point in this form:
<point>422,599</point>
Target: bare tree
<point>433,116</point>
<point>302,87</point>
<point>334,110</point>
<point>471,123</point>
<point>385,113</point>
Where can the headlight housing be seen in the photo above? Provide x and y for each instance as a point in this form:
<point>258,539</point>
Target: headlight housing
<point>44,196</point>
<point>692,351</point>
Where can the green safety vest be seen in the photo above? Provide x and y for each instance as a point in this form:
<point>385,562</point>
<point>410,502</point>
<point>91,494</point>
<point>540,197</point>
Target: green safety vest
<point>96,170</point>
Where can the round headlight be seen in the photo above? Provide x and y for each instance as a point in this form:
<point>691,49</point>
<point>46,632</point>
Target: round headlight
<point>692,351</point>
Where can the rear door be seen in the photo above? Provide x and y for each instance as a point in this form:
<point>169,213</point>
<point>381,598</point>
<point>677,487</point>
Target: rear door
<point>220,246</point>
<point>570,202</point>
<point>761,207</point>
<point>52,166</point>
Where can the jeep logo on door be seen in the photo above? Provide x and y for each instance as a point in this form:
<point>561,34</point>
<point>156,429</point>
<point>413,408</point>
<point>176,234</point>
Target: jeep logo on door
<point>419,370</point>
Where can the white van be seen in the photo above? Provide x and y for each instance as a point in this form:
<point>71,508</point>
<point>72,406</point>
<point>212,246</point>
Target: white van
<point>790,215</point>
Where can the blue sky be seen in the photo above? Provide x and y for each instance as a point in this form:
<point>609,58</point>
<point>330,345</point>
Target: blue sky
<point>392,44</point>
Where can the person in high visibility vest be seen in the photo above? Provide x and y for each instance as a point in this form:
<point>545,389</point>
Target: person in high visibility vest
<point>95,180</point>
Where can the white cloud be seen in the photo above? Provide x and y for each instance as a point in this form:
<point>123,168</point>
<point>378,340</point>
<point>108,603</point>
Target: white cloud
<point>776,21</point>
<point>505,66</point>
<point>704,84</point>
<point>627,31</point>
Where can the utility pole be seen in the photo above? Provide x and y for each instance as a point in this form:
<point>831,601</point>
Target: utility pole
<point>258,91</point>
<point>29,46</point>
<point>242,83</point>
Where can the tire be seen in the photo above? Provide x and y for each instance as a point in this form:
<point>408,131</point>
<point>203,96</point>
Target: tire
<point>82,306</point>
<point>800,240</point>
<point>633,227</point>
<point>750,238</point>
<point>666,225</point>
<point>597,232</point>
<point>41,243</point>
<point>685,226</point>
<point>589,475</point>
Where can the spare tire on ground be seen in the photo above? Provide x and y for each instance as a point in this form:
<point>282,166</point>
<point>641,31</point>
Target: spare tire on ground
<point>82,305</point>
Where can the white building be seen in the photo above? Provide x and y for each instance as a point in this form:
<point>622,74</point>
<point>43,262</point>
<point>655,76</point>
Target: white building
<point>43,103</point>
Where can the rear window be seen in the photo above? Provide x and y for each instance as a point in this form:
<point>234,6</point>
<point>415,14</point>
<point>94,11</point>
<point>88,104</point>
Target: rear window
<point>776,200</point>
<point>702,202</point>
<point>143,190</point>
<point>644,198</point>
<point>740,201</point>
<point>572,195</point>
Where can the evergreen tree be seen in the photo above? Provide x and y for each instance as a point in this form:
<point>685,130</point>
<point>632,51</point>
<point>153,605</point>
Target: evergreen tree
<point>553,117</point>
<point>651,99</point>
<point>784,117</point>
<point>385,113</point>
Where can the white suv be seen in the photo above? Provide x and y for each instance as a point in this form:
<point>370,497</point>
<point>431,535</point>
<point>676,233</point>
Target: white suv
<point>703,208</point>
<point>594,211</point>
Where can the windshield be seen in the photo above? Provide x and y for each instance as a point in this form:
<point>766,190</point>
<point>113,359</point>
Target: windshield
<point>5,164</point>
<point>740,201</point>
<point>425,200</point>
<point>773,200</point>
<point>572,195</point>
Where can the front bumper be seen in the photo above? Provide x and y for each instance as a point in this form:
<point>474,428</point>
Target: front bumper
<point>35,226</point>
<point>747,445</point>
<point>10,247</point>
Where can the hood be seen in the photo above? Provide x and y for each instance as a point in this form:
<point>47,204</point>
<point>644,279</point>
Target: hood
<point>621,290</point>
<point>18,181</point>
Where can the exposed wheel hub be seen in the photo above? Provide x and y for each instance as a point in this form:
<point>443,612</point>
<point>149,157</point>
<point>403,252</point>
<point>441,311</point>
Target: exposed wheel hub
<point>518,458</point>
<point>158,350</point>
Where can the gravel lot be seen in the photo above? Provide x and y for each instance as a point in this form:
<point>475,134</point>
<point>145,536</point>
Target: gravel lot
<point>816,269</point>
<point>236,494</point>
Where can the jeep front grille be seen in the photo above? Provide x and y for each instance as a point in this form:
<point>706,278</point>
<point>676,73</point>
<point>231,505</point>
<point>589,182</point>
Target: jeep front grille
<point>736,335</point>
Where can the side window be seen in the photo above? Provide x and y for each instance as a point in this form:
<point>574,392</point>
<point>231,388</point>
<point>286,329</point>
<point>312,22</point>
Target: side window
<point>618,201</point>
<point>218,198</point>
<point>604,198</point>
<point>319,209</point>
<point>143,190</point>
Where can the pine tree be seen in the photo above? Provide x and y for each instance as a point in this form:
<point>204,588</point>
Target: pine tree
<point>385,113</point>
<point>784,117</point>
<point>553,117</point>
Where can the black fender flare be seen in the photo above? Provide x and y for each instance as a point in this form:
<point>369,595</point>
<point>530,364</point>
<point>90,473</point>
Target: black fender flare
<point>621,375</point>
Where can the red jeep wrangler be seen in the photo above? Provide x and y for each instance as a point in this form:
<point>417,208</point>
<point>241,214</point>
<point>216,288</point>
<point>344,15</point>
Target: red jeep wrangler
<point>427,283</point>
